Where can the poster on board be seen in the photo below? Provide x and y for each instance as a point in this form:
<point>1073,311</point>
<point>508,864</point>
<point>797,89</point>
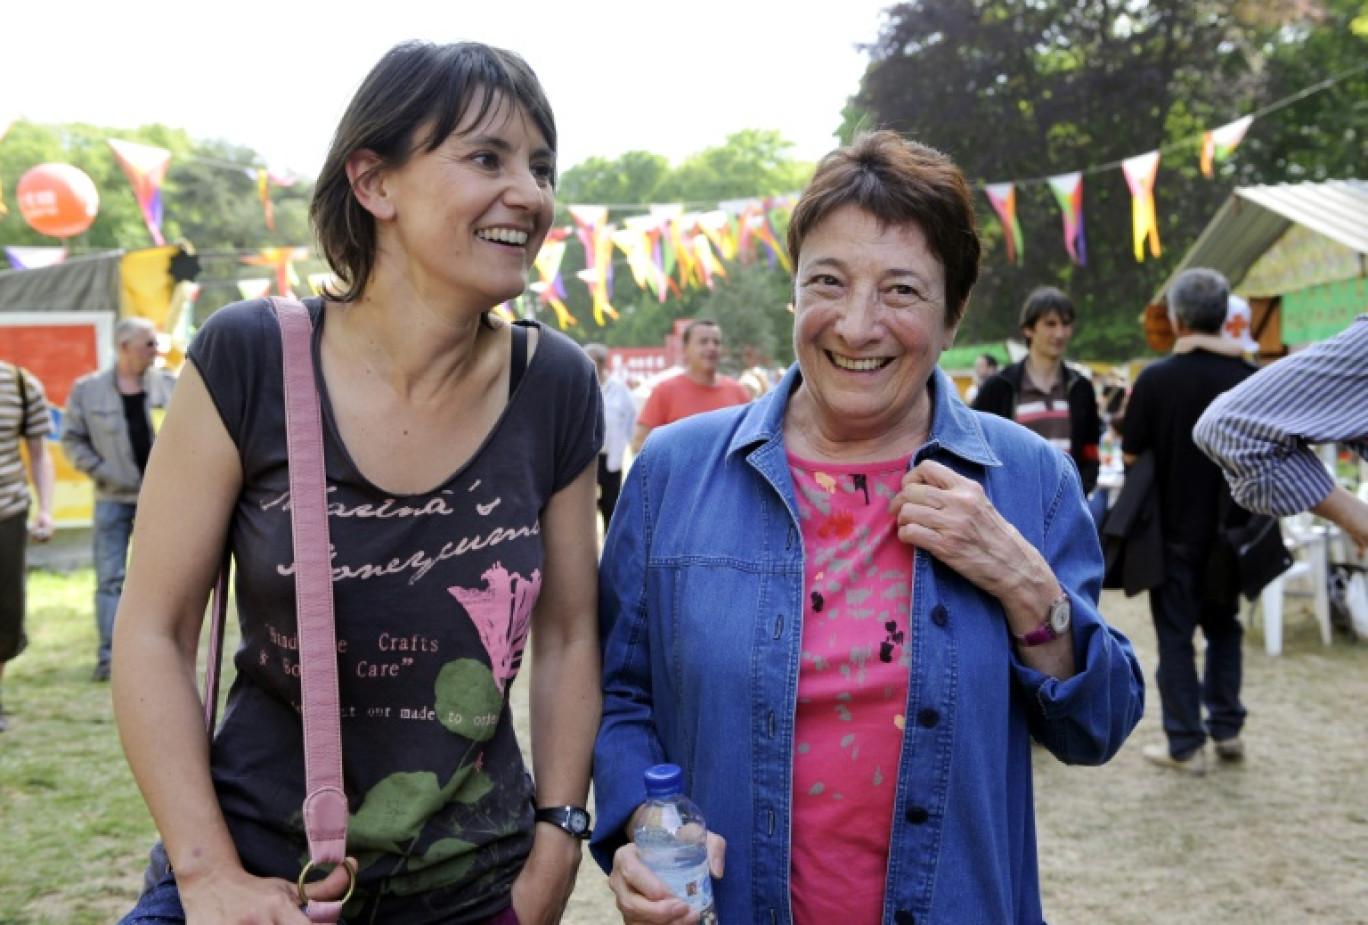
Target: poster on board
<point>58,348</point>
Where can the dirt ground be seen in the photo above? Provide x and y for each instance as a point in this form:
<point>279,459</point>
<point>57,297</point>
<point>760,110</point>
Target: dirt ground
<point>1282,839</point>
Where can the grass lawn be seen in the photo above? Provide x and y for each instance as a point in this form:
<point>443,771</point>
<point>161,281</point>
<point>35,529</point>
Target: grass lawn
<point>74,831</point>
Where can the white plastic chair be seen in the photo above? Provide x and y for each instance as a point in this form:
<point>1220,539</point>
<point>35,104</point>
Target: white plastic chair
<point>1309,545</point>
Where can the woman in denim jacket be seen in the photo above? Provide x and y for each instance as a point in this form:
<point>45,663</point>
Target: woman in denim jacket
<point>847,608</point>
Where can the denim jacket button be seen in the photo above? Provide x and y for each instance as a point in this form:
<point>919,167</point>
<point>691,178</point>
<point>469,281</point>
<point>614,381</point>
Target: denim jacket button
<point>928,719</point>
<point>939,615</point>
<point>917,815</point>
<point>903,917</point>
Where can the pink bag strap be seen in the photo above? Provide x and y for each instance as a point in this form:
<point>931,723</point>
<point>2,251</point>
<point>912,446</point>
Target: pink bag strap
<point>325,803</point>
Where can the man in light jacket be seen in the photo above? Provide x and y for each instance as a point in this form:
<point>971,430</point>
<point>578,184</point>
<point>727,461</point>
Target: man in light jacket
<point>107,433</point>
<point>619,419</point>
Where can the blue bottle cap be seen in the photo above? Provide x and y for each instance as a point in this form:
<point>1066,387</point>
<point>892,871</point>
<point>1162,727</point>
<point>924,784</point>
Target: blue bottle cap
<point>664,780</point>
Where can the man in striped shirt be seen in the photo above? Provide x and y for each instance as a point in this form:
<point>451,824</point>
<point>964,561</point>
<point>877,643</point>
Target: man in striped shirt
<point>23,420</point>
<point>1261,432</point>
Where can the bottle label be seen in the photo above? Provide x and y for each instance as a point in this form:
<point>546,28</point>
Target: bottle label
<point>694,886</point>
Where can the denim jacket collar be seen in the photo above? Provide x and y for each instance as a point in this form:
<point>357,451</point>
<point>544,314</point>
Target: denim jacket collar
<point>954,427</point>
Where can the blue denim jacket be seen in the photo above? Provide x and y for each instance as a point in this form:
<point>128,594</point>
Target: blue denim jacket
<point>701,603</point>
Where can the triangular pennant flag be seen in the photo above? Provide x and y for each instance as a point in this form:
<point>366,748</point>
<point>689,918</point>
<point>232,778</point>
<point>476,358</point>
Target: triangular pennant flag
<point>1003,198</point>
<point>551,289</point>
<point>717,226</point>
<point>319,280</point>
<point>145,168</point>
<point>771,237</point>
<point>282,258</point>
<point>650,254</point>
<point>1218,144</point>
<point>588,219</point>
<point>1068,192</point>
<point>1140,172</point>
<point>32,258</point>
<point>254,288</point>
<point>263,180</point>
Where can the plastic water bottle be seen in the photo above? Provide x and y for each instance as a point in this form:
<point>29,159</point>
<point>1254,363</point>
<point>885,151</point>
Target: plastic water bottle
<point>672,839</point>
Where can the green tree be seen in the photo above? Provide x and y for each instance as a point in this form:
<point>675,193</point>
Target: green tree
<point>1320,135</point>
<point>634,177</point>
<point>1018,90</point>
<point>751,305</point>
<point>752,162</point>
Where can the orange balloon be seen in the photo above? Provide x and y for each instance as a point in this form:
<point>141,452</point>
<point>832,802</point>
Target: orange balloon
<point>57,199</point>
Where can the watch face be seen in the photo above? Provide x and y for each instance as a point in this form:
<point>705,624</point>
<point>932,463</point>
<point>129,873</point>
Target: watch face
<point>1061,614</point>
<point>579,821</point>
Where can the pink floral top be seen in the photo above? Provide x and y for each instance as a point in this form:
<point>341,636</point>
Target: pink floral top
<point>852,688</point>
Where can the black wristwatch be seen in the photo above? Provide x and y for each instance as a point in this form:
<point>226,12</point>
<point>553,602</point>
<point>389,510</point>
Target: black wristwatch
<point>573,819</point>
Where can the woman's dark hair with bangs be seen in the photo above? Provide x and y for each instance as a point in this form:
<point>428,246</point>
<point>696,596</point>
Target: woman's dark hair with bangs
<point>898,182</point>
<point>416,84</point>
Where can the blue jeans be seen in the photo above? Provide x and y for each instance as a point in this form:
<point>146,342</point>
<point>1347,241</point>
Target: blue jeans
<point>158,905</point>
<point>1178,608</point>
<point>113,528</point>
<point>161,905</point>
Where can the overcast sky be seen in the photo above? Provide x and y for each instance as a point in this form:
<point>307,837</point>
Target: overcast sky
<point>667,77</point>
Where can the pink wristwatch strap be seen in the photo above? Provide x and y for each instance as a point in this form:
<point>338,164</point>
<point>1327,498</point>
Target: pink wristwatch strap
<point>325,804</point>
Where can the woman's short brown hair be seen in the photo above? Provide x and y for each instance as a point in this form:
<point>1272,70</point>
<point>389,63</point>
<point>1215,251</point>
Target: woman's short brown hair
<point>899,182</point>
<point>415,86</point>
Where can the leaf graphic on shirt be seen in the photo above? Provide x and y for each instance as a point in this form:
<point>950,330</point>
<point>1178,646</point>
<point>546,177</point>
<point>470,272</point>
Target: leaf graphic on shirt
<point>401,804</point>
<point>393,810</point>
<point>468,699</point>
<point>502,612</point>
<point>445,861</point>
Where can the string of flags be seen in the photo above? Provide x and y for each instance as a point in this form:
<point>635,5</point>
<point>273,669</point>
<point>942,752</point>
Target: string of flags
<point>1140,172</point>
<point>671,249</point>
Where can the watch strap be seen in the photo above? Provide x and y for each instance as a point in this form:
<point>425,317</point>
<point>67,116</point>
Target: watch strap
<point>1038,636</point>
<point>1045,632</point>
<point>574,820</point>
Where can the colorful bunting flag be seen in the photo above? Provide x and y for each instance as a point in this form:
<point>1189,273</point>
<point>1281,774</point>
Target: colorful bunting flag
<point>1218,144</point>
<point>264,177</point>
<point>756,226</point>
<point>551,289</point>
<point>32,258</point>
<point>254,288</point>
<point>263,181</point>
<point>1003,198</point>
<point>282,259</point>
<point>1068,192</point>
<point>594,232</point>
<point>145,167</point>
<point>717,226</point>
<point>317,282</point>
<point>706,261</point>
<point>1140,172</point>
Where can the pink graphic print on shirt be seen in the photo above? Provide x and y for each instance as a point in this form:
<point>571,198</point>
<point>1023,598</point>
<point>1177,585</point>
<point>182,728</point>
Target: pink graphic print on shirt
<point>502,612</point>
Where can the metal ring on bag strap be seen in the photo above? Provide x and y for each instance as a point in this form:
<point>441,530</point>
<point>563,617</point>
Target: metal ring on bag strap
<point>351,881</point>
